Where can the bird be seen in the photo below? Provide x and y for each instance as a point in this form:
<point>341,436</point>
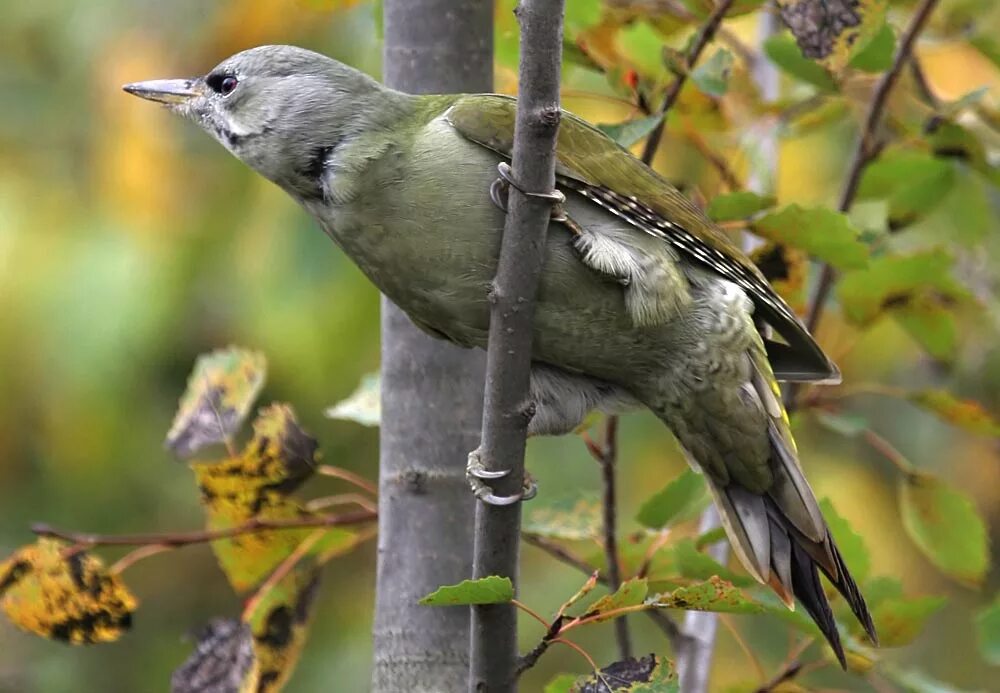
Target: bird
<point>642,302</point>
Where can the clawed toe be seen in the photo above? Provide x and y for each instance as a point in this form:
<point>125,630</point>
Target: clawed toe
<point>475,473</point>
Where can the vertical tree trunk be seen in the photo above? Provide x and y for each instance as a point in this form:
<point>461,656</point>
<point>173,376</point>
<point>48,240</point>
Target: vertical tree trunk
<point>431,399</point>
<point>512,308</point>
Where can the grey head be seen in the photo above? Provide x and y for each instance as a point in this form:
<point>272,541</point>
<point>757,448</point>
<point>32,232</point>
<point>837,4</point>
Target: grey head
<point>280,109</point>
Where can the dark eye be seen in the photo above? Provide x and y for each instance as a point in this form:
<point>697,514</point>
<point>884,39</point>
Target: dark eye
<point>222,84</point>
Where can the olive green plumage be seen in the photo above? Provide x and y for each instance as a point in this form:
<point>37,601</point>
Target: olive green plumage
<point>642,301</point>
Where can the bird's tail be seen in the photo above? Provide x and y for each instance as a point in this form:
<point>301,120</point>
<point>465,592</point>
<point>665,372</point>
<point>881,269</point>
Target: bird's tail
<point>770,545</point>
<point>780,534</point>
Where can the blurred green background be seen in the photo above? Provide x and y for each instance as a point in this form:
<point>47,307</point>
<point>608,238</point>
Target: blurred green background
<point>130,243</point>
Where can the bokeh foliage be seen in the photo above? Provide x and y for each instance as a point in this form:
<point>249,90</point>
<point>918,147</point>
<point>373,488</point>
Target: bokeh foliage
<point>129,244</point>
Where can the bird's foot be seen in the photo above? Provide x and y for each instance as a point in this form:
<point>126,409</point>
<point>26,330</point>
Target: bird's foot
<point>476,473</point>
<point>500,189</point>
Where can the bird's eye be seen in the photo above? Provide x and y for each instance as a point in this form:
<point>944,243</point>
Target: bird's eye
<point>222,84</point>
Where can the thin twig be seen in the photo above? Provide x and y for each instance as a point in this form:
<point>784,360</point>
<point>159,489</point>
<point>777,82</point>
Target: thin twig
<point>351,477</point>
<point>136,555</point>
<point>660,619</point>
<point>342,499</point>
<point>742,644</point>
<point>787,673</point>
<point>705,35</point>
<point>609,458</point>
<point>529,659</point>
<point>176,539</point>
<point>866,149</point>
<point>279,573</point>
<point>890,452</point>
<point>561,553</point>
<point>729,178</point>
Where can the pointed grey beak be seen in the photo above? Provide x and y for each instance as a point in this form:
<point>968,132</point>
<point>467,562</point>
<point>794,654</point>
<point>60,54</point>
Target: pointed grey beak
<point>169,91</point>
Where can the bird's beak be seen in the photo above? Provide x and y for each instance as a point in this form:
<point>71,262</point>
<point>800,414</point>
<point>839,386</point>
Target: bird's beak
<point>172,92</point>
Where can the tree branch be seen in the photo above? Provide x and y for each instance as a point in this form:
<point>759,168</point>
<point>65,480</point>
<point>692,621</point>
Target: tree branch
<point>705,35</point>
<point>608,461</point>
<point>176,539</point>
<point>506,411</point>
<point>663,621</point>
<point>865,150</point>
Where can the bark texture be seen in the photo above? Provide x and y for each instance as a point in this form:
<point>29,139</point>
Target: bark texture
<point>431,399</point>
<point>506,408</point>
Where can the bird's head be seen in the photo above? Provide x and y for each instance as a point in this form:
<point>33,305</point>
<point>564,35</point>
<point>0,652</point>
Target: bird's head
<point>280,109</point>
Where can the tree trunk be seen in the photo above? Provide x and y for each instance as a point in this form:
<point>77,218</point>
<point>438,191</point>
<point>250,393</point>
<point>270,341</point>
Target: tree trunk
<point>431,400</point>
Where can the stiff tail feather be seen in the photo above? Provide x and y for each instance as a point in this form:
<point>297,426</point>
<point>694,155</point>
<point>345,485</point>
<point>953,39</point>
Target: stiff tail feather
<point>780,535</point>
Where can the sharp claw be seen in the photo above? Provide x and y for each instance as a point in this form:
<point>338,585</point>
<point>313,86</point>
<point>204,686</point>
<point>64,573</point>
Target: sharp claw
<point>474,472</point>
<point>498,193</point>
<point>481,473</point>
<point>501,501</point>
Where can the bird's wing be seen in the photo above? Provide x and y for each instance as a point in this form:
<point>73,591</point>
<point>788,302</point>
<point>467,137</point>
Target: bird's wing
<point>595,166</point>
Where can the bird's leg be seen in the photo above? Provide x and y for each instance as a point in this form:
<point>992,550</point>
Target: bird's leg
<point>500,188</point>
<point>475,472</point>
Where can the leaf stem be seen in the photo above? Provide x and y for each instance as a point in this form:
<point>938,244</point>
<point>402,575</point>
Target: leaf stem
<point>279,573</point>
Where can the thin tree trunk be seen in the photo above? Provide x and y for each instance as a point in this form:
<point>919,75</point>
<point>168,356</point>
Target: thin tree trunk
<point>431,400</point>
<point>507,410</point>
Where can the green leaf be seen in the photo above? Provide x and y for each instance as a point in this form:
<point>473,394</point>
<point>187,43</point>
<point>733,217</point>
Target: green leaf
<point>220,392</point>
<point>649,674</point>
<point>562,683</point>
<point>629,593</point>
<point>783,52</point>
<point>738,205</point>
<point>988,632</point>
<point>568,515</point>
<point>852,546</point>
<point>876,55</point>
<point>893,281</point>
<point>821,232</point>
<point>931,324</point>
<point>488,590</point>
<point>945,525</point>
<point>715,594</point>
<point>900,621</point>
<point>630,132</point>
<point>798,619</point>
<point>363,405</point>
<point>964,414</point>
<point>712,75</point>
<point>687,561</point>
<point>914,183</point>
<point>969,211</point>
<point>680,499</point>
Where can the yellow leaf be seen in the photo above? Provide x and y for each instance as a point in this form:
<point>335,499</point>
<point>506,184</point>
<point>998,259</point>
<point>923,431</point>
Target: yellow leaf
<point>278,458</point>
<point>66,596</point>
<point>279,625</point>
<point>220,391</point>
